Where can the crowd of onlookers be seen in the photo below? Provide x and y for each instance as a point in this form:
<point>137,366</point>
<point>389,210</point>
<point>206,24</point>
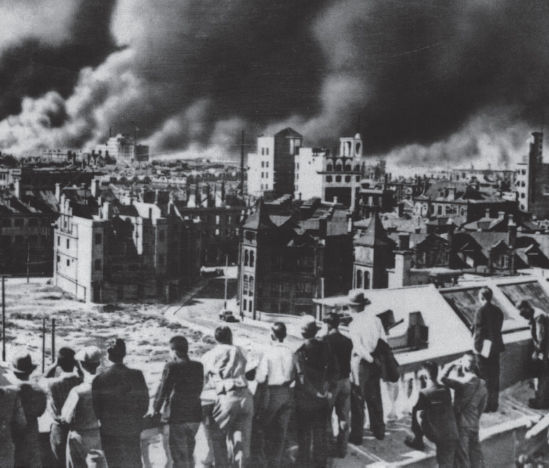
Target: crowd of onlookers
<point>215,419</point>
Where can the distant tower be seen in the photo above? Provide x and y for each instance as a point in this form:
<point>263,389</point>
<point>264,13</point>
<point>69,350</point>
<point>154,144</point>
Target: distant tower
<point>351,147</point>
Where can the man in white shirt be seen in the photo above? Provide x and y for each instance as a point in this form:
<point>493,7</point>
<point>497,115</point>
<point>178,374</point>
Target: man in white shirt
<point>275,373</point>
<point>365,331</point>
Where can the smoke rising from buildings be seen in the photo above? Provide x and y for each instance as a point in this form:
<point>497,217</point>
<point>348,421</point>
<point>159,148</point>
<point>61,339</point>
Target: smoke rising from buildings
<point>429,80</point>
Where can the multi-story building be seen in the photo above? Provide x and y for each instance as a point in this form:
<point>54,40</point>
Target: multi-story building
<point>532,180</point>
<point>318,174</point>
<point>271,168</point>
<point>123,148</point>
<point>116,252</point>
<point>26,235</point>
<point>292,252</point>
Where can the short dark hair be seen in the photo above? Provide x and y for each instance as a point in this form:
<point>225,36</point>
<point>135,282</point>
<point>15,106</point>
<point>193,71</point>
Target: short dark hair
<point>180,345</point>
<point>333,319</point>
<point>486,293</point>
<point>474,365</point>
<point>432,369</point>
<point>223,335</point>
<point>65,357</point>
<point>279,331</point>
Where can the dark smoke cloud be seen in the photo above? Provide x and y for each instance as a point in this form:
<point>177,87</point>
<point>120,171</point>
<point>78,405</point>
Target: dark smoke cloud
<point>429,80</point>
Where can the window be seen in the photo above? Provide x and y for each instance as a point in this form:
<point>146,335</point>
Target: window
<point>244,304</point>
<point>348,167</point>
<point>19,222</point>
<point>338,178</point>
<point>347,178</point>
<point>58,240</point>
<point>161,236</point>
<point>33,222</point>
<point>262,163</point>
<point>68,262</point>
<point>6,223</point>
<point>338,167</point>
<point>358,178</point>
<point>266,163</point>
<point>252,258</point>
<point>58,259</point>
<point>98,239</point>
<point>68,243</point>
<point>217,232</point>
<point>329,179</point>
<point>329,168</point>
<point>245,285</point>
<point>217,219</point>
<point>251,285</point>
<point>246,257</point>
<point>97,264</point>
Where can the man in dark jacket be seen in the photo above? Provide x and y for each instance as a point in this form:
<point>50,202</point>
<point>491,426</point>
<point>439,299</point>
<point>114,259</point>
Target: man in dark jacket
<point>342,348</point>
<point>180,388</point>
<point>539,327</point>
<point>58,388</point>
<point>120,400</point>
<point>33,400</point>
<point>433,417</point>
<point>316,376</point>
<point>488,345</point>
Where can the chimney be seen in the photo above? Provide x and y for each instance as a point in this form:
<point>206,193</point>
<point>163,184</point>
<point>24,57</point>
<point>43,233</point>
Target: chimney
<point>94,187</point>
<point>511,232</point>
<point>487,213</point>
<point>17,188</point>
<point>403,264</point>
<point>536,148</point>
<point>404,241</point>
<point>58,191</point>
<point>501,214</point>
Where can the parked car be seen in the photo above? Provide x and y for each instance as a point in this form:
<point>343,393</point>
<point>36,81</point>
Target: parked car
<point>227,316</point>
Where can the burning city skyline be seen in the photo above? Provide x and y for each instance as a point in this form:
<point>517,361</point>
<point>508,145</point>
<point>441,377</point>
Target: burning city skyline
<point>431,82</point>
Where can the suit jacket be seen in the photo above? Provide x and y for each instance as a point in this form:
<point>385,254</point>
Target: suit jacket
<point>12,423</point>
<point>120,400</point>
<point>487,326</point>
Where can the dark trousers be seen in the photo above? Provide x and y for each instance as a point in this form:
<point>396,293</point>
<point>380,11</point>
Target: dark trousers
<point>58,444</point>
<point>489,371</point>
<point>446,453</point>
<point>122,451</point>
<point>469,453</point>
<point>542,394</point>
<point>312,437</point>
<point>274,422</point>
<point>182,443</point>
<point>368,378</point>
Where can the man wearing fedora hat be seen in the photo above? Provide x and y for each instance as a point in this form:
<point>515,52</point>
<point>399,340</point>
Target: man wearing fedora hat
<point>120,400</point>
<point>365,330</point>
<point>33,400</point>
<point>316,376</point>
<point>83,439</point>
<point>58,388</point>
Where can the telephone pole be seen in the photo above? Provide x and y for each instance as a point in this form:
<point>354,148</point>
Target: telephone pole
<point>242,162</point>
<point>3,318</point>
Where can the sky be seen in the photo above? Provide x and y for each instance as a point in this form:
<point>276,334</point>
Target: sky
<point>425,82</point>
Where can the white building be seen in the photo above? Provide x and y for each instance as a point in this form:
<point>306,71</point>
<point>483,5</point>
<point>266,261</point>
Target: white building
<point>271,168</point>
<point>330,177</point>
<point>123,148</point>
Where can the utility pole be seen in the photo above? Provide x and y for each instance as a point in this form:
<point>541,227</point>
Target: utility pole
<point>43,344</point>
<point>3,318</point>
<point>226,269</point>
<point>28,260</point>
<point>242,163</point>
<point>52,340</point>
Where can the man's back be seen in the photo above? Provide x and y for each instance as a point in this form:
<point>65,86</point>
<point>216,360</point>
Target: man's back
<point>342,348</point>
<point>470,401</point>
<point>487,326</point>
<point>58,391</point>
<point>182,383</point>
<point>316,365</point>
<point>439,422</point>
<point>120,399</point>
<point>277,365</point>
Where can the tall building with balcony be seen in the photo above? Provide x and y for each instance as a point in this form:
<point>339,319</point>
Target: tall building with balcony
<point>332,178</point>
<point>271,168</point>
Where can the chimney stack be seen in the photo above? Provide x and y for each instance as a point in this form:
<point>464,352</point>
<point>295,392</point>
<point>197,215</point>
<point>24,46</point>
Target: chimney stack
<point>404,241</point>
<point>511,232</point>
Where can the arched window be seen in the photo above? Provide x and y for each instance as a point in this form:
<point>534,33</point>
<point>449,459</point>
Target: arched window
<point>330,167</point>
<point>366,280</point>
<point>357,167</point>
<point>357,148</point>
<point>359,279</point>
<point>348,167</point>
<point>251,285</point>
<point>339,167</point>
<point>252,258</point>
<point>347,148</point>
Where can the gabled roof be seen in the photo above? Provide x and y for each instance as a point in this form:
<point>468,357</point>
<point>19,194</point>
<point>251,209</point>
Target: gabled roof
<point>259,219</point>
<point>288,132</point>
<point>375,234</point>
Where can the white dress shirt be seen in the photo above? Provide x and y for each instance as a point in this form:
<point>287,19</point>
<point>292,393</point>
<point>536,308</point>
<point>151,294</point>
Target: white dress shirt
<point>365,331</point>
<point>277,365</point>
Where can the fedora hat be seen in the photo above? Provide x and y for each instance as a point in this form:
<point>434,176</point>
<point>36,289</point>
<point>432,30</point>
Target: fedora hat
<point>309,325</point>
<point>22,364</point>
<point>357,298</point>
<point>89,355</point>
